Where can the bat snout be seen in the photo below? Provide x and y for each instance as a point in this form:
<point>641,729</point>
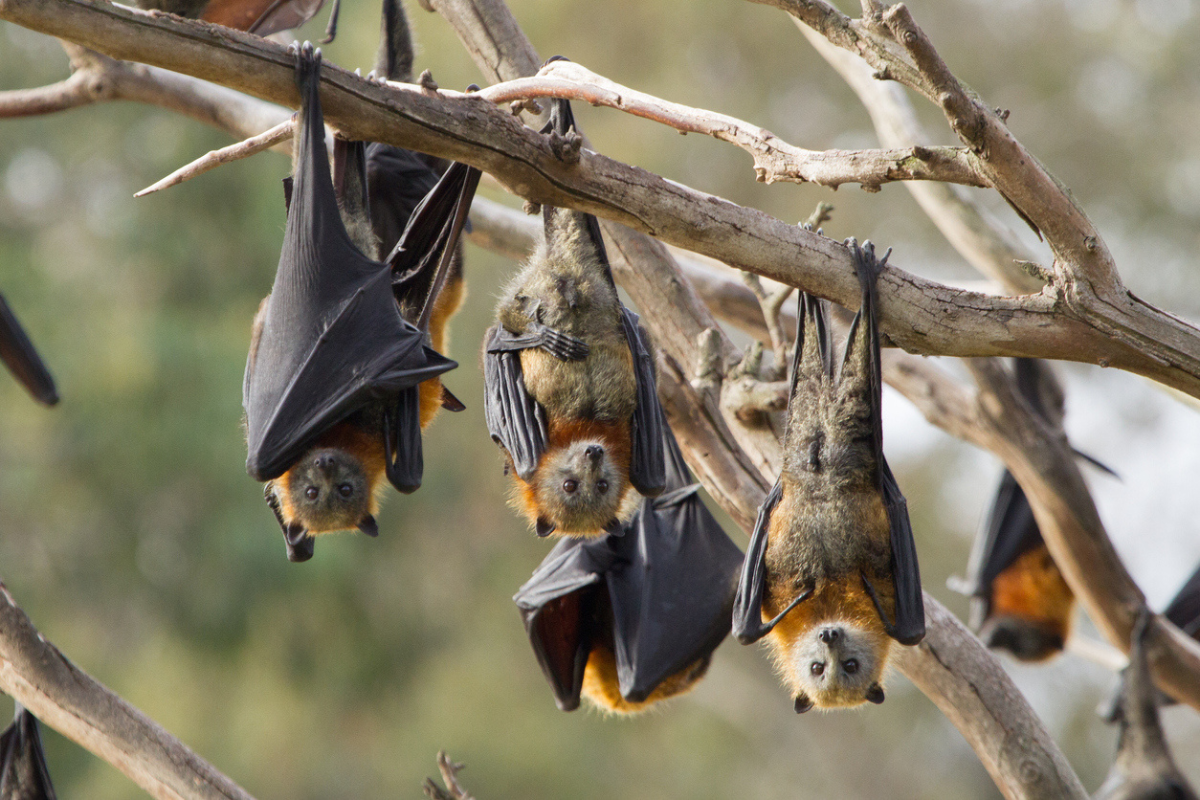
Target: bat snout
<point>830,636</point>
<point>594,453</point>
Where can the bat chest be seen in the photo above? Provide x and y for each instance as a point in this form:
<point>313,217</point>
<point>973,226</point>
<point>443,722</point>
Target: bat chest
<point>602,387</point>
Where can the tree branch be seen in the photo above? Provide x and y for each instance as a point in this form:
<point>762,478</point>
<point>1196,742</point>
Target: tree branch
<point>919,315</point>
<point>71,93</point>
<point>69,700</point>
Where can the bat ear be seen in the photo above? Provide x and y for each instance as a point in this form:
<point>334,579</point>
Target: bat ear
<point>875,693</point>
<point>803,703</point>
<point>614,527</point>
<point>545,527</point>
<point>450,402</point>
<point>299,543</point>
<point>368,526</point>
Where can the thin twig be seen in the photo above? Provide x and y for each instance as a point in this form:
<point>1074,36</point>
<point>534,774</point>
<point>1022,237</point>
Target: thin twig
<point>449,771</point>
<point>226,155</point>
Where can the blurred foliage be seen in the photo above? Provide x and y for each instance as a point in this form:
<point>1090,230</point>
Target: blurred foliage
<point>132,536</point>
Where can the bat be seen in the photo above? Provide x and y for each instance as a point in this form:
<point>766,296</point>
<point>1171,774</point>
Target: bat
<point>23,773</point>
<point>1144,769</point>
<point>631,618</point>
<point>831,575</point>
<point>570,388</point>
<point>331,386</point>
<point>262,17</point>
<point>1020,601</point>
<point>22,360</point>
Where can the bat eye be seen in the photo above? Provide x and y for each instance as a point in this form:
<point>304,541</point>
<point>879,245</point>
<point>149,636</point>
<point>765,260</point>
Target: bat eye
<point>850,665</point>
<point>312,492</point>
<point>818,667</point>
<point>345,490</point>
<point>570,485</point>
<point>602,487</point>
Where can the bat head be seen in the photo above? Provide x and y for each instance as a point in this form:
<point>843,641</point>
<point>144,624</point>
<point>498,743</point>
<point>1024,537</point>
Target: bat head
<point>1024,639</point>
<point>328,490</point>
<point>837,664</point>
<point>578,489</point>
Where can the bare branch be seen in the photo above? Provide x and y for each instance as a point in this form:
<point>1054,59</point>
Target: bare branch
<point>71,93</point>
<point>38,676</point>
<point>774,159</point>
<point>919,315</point>
<point>449,771</point>
<point>226,155</point>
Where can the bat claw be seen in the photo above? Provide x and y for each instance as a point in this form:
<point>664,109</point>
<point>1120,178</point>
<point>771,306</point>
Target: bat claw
<point>564,347</point>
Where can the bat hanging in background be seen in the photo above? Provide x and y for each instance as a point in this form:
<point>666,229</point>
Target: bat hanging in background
<point>570,391</point>
<point>1020,601</point>
<point>331,389</point>
<point>631,618</point>
<point>1144,769</point>
<point>831,573</point>
<point>262,17</point>
<point>23,773</point>
<point>379,188</point>
<point>22,360</point>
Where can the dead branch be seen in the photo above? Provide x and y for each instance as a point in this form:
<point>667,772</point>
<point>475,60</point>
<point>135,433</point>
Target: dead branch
<point>919,315</point>
<point>66,698</point>
<point>226,155</point>
<point>71,93</point>
<point>449,771</point>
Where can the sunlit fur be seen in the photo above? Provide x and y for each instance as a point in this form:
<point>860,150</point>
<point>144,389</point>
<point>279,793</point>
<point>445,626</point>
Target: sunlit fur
<point>1031,608</point>
<point>832,553</point>
<point>602,686</point>
<point>346,455</point>
<point>587,510</point>
<point>587,402</point>
<point>446,306</point>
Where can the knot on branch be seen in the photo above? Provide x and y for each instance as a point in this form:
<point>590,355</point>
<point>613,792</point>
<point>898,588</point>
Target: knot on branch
<point>566,146</point>
<point>427,82</point>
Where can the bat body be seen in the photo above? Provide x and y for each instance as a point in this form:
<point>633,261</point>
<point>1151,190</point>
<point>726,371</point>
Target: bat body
<point>632,618</point>
<point>1144,769</point>
<point>23,773</point>
<point>262,17</point>
<point>18,354</point>
<point>831,576</point>
<point>571,394</point>
<point>331,391</point>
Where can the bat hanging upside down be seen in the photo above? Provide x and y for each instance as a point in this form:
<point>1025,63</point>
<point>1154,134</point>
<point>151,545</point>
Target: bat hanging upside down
<point>332,389</point>
<point>831,574</point>
<point>570,382</point>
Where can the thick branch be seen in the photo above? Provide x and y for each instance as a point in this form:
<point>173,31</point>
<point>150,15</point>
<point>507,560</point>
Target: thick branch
<point>919,315</point>
<point>69,700</point>
<point>774,159</point>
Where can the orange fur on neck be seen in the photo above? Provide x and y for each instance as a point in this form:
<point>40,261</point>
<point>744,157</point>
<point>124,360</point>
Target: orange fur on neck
<point>602,686</point>
<point>615,436</point>
<point>445,307</point>
<point>365,446</point>
<point>1032,588</point>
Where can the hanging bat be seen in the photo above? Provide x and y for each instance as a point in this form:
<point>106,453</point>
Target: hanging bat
<point>262,17</point>
<point>1144,769</point>
<point>831,573</point>
<point>22,360</point>
<point>632,618</point>
<point>570,392</point>
<point>1020,601</point>
<point>331,387</point>
<point>23,773</point>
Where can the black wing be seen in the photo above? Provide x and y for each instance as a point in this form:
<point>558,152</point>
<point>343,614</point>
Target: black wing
<point>23,773</point>
<point>563,606</point>
<point>909,624</point>
<point>672,587</point>
<point>22,360</point>
<point>647,470</point>
<point>333,339</point>
<point>514,419</point>
<point>748,625</point>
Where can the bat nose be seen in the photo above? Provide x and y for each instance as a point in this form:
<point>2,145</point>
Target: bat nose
<point>594,452</point>
<point>830,635</point>
<point>325,462</point>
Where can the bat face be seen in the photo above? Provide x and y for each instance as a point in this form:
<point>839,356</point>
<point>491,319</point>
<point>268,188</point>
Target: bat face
<point>837,665</point>
<point>328,490</point>
<point>578,489</point>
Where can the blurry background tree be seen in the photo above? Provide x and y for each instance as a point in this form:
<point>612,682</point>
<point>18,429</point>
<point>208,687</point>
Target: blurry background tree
<point>135,541</point>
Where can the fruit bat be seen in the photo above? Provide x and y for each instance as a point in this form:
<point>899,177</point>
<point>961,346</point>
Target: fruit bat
<point>570,392</point>
<point>1020,601</point>
<point>262,17</point>
<point>23,773</point>
<point>1144,769</point>
<point>631,618</point>
<point>22,360</point>
<point>831,576</point>
<point>331,387</point>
